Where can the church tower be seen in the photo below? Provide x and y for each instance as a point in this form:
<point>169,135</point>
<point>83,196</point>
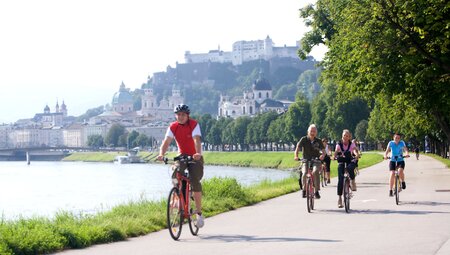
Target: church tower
<point>57,106</point>
<point>149,103</point>
<point>64,109</point>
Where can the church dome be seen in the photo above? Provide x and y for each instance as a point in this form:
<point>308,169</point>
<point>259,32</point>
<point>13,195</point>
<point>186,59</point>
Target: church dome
<point>262,84</point>
<point>123,96</point>
<point>47,109</point>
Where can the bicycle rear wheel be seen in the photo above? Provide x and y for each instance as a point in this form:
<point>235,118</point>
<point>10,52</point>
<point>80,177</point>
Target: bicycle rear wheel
<point>397,189</point>
<point>309,195</point>
<point>347,194</point>
<point>192,216</point>
<point>174,213</point>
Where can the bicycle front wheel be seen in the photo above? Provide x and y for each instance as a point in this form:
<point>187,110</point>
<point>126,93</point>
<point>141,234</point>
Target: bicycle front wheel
<point>174,213</point>
<point>309,195</point>
<point>347,195</point>
<point>192,217</point>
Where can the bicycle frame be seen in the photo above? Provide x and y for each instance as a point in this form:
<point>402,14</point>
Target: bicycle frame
<point>183,180</point>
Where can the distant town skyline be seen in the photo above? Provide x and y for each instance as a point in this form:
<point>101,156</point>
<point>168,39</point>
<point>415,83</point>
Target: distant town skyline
<point>80,52</point>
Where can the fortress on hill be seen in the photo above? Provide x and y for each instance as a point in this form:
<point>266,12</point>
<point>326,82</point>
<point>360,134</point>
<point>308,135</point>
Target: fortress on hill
<point>244,51</point>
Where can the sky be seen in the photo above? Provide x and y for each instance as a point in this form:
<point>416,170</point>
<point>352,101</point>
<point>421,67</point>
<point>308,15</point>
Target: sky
<point>80,51</point>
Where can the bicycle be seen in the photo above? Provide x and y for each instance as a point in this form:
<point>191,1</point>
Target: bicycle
<point>309,185</point>
<point>347,190</point>
<point>180,203</point>
<point>397,182</point>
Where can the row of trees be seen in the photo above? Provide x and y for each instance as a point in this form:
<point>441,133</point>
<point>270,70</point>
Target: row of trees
<point>118,137</point>
<point>272,129</point>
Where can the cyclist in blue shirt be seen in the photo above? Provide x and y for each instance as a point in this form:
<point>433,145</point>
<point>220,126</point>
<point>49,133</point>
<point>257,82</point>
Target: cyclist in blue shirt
<point>396,147</point>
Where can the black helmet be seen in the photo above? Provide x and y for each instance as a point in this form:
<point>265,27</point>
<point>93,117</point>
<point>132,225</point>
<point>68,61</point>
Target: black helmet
<point>182,108</point>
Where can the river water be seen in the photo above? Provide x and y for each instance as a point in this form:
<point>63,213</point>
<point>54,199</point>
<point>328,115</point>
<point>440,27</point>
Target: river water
<point>44,188</point>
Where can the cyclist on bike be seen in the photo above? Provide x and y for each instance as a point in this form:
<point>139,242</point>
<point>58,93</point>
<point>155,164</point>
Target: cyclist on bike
<point>186,132</point>
<point>417,150</point>
<point>312,147</point>
<point>327,159</point>
<point>396,147</point>
<point>356,159</point>
<point>343,153</point>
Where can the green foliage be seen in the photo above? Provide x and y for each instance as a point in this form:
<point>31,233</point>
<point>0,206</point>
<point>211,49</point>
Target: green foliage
<point>95,141</point>
<point>361,130</point>
<point>298,118</point>
<point>112,137</point>
<point>398,51</point>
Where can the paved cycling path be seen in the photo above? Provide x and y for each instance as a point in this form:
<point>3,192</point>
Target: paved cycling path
<point>376,225</point>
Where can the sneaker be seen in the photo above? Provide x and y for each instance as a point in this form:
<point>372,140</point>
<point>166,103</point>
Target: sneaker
<point>200,221</point>
<point>303,193</point>
<point>391,194</point>
<point>328,181</point>
<point>317,195</point>
<point>353,184</point>
<point>403,185</point>
<point>340,205</point>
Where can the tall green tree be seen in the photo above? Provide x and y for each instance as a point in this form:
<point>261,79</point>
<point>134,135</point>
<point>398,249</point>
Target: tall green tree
<point>396,48</point>
<point>95,141</point>
<point>114,132</point>
<point>298,118</point>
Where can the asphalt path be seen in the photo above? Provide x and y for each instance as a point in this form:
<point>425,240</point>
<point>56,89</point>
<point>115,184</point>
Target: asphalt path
<point>375,225</point>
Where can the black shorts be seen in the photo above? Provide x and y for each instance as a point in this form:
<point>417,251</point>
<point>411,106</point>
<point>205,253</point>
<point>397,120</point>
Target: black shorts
<point>393,164</point>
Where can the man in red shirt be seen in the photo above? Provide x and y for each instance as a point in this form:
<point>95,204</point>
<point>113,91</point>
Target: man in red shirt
<point>186,132</point>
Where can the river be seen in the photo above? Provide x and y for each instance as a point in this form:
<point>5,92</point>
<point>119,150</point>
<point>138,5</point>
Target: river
<point>44,188</point>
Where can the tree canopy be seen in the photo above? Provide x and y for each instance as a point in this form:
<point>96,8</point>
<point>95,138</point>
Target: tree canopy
<point>394,52</point>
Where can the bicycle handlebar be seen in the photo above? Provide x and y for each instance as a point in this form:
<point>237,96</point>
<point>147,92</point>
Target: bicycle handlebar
<point>180,158</point>
<point>314,160</point>
<point>397,157</point>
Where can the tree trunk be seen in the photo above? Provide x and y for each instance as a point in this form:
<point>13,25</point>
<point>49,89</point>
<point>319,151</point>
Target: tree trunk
<point>443,123</point>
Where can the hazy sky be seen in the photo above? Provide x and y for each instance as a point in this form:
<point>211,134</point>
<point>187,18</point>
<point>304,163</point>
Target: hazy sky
<point>80,51</point>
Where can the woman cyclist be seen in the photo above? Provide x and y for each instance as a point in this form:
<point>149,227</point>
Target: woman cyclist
<point>343,153</point>
<point>396,147</point>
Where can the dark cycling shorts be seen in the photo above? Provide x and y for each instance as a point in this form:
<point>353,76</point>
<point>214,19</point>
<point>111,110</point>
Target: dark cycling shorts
<point>392,165</point>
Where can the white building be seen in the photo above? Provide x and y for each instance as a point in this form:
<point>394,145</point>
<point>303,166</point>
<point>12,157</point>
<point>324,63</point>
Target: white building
<point>89,130</point>
<point>5,141</point>
<point>243,51</point>
<point>73,135</point>
<point>259,100</point>
<point>122,100</point>
<point>162,110</point>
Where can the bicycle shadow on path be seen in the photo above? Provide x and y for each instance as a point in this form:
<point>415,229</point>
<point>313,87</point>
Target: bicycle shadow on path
<point>384,211</point>
<point>249,238</point>
<point>425,203</point>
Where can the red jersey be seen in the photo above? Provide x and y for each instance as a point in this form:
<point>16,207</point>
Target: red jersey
<point>183,136</point>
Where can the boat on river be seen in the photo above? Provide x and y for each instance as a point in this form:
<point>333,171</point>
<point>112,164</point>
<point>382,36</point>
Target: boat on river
<point>131,158</point>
